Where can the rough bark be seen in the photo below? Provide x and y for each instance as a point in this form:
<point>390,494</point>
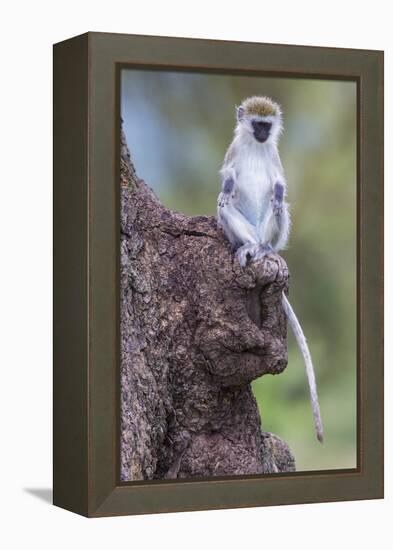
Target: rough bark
<point>196,329</point>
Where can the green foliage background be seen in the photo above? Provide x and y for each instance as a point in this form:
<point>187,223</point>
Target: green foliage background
<point>178,126</point>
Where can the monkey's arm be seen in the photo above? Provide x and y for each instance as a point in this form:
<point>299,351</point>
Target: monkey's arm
<point>227,190</point>
<point>281,217</point>
<point>228,176</point>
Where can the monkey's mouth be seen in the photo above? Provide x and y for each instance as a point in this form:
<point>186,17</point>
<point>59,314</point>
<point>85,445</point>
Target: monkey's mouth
<point>261,137</point>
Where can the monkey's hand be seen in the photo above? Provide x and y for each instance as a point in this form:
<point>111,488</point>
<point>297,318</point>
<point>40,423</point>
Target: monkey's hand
<point>277,200</point>
<point>228,192</point>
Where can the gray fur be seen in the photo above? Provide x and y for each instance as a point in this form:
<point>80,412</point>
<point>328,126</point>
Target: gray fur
<point>254,214</point>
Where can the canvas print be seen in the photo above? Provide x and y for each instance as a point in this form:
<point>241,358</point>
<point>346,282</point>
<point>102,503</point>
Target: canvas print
<point>237,263</point>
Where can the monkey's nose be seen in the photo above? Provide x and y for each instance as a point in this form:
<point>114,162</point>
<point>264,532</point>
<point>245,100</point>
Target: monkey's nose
<point>259,125</point>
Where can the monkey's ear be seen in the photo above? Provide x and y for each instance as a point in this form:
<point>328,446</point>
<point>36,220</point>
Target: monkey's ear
<point>239,113</point>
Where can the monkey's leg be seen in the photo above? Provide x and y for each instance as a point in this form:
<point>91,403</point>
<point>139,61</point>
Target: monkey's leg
<point>239,231</point>
<point>274,227</point>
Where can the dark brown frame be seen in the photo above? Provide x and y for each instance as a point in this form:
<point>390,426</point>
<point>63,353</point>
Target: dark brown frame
<point>86,305</point>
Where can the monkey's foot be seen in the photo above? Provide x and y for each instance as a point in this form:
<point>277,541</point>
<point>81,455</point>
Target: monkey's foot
<point>261,251</point>
<point>245,251</point>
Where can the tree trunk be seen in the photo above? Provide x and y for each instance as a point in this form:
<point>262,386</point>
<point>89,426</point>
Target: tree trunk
<point>196,329</point>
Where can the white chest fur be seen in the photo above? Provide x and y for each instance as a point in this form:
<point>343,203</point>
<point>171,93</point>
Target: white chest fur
<point>256,175</point>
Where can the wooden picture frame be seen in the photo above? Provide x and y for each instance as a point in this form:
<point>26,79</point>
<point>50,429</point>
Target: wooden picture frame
<point>86,274</point>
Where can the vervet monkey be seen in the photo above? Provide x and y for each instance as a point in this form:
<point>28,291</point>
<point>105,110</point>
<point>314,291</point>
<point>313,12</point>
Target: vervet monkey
<point>252,209</point>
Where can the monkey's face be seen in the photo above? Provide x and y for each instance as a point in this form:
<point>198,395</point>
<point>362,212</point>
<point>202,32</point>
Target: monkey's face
<point>259,117</point>
<point>261,129</point>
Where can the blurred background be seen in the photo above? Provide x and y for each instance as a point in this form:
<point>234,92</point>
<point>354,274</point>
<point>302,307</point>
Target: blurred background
<point>178,126</point>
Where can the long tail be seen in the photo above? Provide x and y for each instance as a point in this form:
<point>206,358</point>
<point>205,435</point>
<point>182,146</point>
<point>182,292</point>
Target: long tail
<point>302,343</point>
